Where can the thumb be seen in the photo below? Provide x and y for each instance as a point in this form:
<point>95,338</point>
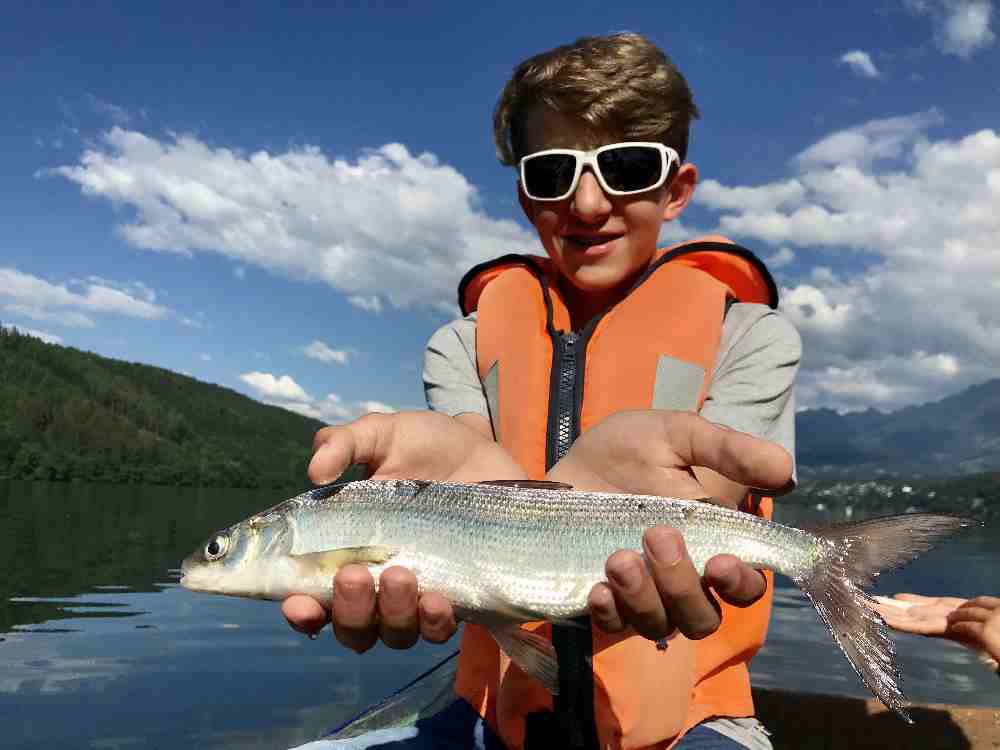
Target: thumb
<point>363,441</point>
<point>743,458</point>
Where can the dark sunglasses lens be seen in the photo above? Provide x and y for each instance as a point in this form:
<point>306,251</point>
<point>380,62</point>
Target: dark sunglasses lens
<point>630,168</point>
<point>550,175</point>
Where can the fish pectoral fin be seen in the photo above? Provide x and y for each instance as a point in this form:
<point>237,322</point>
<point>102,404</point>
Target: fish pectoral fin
<point>528,484</point>
<point>531,652</point>
<point>331,560</point>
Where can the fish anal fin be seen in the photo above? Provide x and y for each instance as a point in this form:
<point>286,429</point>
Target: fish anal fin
<point>331,560</point>
<point>528,484</point>
<point>531,652</point>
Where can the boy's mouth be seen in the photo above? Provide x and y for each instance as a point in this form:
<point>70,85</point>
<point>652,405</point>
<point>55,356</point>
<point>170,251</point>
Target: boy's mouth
<point>591,240</point>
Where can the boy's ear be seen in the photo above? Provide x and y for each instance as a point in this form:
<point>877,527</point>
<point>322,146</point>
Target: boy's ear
<point>527,205</point>
<point>681,191</point>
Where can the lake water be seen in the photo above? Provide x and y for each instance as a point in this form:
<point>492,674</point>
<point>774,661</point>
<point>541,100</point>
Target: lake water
<point>100,648</point>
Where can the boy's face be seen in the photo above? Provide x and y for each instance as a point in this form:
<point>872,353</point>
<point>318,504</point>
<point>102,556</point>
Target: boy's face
<point>600,243</point>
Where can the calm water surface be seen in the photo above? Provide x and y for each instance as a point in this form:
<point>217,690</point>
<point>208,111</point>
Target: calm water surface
<point>100,648</point>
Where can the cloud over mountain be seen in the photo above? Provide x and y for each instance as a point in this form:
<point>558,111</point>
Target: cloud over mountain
<point>75,302</point>
<point>916,313</point>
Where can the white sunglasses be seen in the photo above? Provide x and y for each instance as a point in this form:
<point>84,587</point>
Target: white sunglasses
<point>620,168</point>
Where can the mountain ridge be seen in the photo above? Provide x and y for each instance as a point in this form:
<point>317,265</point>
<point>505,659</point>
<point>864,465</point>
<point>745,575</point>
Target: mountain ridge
<point>957,435</point>
<point>66,414</point>
<point>71,415</point>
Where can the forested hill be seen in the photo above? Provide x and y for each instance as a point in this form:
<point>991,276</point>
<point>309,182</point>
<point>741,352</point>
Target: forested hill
<point>66,414</point>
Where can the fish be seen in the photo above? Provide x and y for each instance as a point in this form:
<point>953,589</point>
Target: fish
<point>508,552</point>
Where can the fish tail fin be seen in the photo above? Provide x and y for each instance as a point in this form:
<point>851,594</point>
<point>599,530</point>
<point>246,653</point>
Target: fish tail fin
<point>855,555</point>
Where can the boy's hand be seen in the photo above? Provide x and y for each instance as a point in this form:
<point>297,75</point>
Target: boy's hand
<point>410,445</point>
<point>652,452</point>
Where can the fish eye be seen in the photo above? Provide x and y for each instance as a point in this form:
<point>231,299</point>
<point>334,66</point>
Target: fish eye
<point>217,548</point>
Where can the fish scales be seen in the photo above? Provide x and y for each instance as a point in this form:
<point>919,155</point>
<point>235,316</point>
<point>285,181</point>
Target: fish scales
<point>538,550</point>
<point>506,554</point>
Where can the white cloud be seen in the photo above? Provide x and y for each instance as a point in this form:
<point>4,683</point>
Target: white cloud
<point>206,357</point>
<point>371,303</point>
<point>860,62</point>
<point>48,338</point>
<point>283,387</point>
<point>914,315</point>
<point>883,382</point>
<point>118,115</point>
<point>780,259</point>
<point>674,232</point>
<point>713,194</point>
<point>283,391</point>
<point>962,27</point>
<point>873,141</point>
<point>389,224</point>
<point>73,303</point>
<point>322,352</point>
<point>334,410</point>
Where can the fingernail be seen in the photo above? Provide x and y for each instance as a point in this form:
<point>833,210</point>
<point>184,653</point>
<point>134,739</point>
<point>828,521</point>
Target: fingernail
<point>663,546</point>
<point>348,591</point>
<point>627,576</point>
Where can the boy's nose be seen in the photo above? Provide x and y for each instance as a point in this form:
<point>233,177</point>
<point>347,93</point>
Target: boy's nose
<point>589,201</point>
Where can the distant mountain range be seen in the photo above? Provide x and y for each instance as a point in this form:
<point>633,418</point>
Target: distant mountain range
<point>72,415</point>
<point>957,435</point>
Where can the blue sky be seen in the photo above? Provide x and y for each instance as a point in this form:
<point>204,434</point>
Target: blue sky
<point>281,200</point>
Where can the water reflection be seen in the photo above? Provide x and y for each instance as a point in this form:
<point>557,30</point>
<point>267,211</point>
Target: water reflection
<point>95,630</point>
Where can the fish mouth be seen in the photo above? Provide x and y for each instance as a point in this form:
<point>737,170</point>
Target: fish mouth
<point>188,575</point>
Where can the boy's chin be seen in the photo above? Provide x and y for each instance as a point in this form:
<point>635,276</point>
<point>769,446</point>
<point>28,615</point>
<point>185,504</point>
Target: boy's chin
<point>597,280</point>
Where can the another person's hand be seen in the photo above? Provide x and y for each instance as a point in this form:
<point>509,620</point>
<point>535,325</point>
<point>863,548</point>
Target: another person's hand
<point>410,445</point>
<point>972,622</point>
<point>652,452</point>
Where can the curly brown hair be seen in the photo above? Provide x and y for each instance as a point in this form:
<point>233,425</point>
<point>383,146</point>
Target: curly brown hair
<point>621,83</point>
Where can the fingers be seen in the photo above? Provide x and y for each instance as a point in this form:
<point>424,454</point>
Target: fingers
<point>745,459</point>
<point>940,602</point>
<point>399,622</point>
<point>690,608</point>
<point>967,633</point>
<point>969,613</point>
<point>363,441</point>
<point>603,610</point>
<point>734,581</point>
<point>397,615</point>
<point>637,601</point>
<point>353,613</point>
<point>986,602</point>
<point>304,614</point>
<point>437,618</point>
<point>664,594</point>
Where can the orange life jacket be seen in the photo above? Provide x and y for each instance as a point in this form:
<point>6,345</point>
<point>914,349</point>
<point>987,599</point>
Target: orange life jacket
<point>654,349</point>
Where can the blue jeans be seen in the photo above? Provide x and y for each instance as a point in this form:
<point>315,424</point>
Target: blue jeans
<point>459,727</point>
<point>705,738</point>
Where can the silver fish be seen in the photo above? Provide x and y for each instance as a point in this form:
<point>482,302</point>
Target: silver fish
<point>507,552</point>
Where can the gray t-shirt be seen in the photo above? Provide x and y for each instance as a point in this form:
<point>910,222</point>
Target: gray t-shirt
<point>750,388</point>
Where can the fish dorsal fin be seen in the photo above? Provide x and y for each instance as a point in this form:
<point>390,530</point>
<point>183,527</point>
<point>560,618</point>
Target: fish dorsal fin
<point>531,652</point>
<point>528,484</point>
<point>331,560</point>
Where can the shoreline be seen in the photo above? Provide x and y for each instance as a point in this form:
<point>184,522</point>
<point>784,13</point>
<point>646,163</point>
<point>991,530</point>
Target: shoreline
<point>806,721</point>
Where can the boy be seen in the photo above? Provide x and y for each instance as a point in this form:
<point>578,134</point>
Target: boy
<point>571,363</point>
